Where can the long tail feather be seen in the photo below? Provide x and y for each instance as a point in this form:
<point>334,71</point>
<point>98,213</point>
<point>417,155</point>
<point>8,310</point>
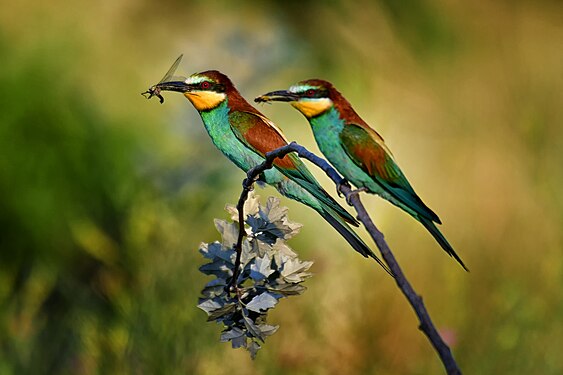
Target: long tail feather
<point>318,192</point>
<point>431,227</point>
<point>353,239</point>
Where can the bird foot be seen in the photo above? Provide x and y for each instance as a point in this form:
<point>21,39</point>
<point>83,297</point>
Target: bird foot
<point>343,182</point>
<point>354,192</point>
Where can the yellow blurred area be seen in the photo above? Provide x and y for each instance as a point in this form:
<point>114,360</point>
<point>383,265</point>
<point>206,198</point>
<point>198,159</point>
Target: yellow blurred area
<point>105,197</point>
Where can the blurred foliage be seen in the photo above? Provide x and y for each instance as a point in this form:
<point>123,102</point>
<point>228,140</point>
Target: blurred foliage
<point>104,197</point>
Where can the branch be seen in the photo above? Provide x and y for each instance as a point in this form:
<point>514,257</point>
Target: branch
<point>426,325</point>
<point>414,299</point>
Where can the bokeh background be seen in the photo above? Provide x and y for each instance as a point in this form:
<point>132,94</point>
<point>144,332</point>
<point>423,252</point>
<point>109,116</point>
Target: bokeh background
<point>105,197</point>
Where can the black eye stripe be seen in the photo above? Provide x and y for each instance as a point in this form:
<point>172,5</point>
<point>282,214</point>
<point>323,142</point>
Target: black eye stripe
<point>315,93</point>
<point>209,86</point>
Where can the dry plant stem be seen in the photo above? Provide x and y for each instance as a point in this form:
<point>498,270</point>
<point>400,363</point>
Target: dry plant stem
<point>426,325</point>
<point>246,188</point>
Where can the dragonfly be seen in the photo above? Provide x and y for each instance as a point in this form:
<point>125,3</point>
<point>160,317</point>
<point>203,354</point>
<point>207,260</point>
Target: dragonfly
<point>154,90</point>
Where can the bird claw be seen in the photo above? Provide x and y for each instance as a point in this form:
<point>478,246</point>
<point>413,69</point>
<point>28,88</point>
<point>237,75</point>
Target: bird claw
<point>343,182</point>
<point>354,192</point>
<point>248,184</point>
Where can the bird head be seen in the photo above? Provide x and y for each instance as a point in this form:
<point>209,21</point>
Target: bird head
<point>312,97</point>
<point>205,90</point>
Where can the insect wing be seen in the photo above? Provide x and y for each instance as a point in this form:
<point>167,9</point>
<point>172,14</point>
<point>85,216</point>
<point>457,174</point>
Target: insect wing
<point>154,90</point>
<point>169,76</point>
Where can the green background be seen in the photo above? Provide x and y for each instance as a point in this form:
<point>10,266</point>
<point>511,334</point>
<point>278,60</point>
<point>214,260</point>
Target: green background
<point>105,197</point>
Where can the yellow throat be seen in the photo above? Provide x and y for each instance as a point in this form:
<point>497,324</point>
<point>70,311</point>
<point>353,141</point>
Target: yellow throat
<point>312,108</point>
<point>205,100</point>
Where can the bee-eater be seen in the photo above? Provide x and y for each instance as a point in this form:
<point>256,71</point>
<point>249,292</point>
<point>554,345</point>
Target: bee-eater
<point>356,150</point>
<point>244,135</point>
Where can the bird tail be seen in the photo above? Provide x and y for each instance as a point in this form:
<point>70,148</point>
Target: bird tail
<point>338,223</point>
<point>438,236</point>
<point>324,198</point>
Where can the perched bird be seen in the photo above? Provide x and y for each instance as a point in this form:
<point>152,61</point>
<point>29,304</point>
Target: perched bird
<point>356,150</point>
<point>244,135</point>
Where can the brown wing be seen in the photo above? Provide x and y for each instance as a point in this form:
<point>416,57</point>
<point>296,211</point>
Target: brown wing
<point>369,152</point>
<point>261,135</point>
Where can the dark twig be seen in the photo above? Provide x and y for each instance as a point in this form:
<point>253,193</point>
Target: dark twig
<point>414,299</point>
<point>247,184</point>
<point>426,325</point>
<point>241,233</point>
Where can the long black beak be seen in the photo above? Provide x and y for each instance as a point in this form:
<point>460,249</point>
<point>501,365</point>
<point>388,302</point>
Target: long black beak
<point>179,86</point>
<point>277,96</point>
<point>155,90</point>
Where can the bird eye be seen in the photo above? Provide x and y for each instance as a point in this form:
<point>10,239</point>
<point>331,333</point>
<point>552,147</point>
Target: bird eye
<point>310,93</point>
<point>205,85</point>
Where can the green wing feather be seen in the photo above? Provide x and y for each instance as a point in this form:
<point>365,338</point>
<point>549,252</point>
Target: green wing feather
<point>368,151</point>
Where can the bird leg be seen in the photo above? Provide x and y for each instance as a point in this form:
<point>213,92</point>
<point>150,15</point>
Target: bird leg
<point>355,192</point>
<point>343,182</point>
